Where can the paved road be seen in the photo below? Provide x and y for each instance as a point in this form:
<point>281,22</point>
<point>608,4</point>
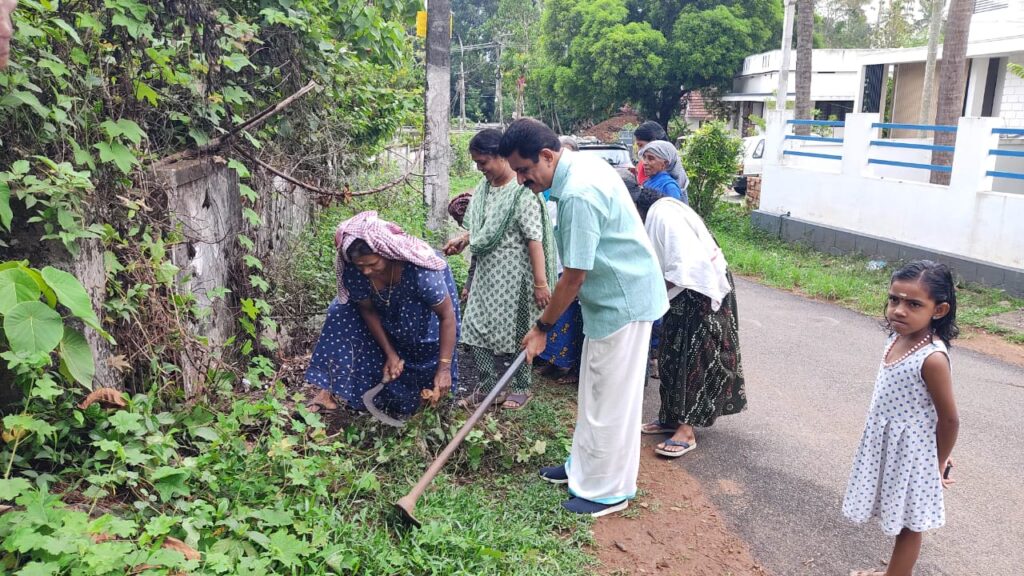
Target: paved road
<point>778,471</point>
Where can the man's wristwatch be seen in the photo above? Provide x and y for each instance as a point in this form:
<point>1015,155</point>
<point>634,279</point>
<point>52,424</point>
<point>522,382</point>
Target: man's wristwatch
<point>543,326</point>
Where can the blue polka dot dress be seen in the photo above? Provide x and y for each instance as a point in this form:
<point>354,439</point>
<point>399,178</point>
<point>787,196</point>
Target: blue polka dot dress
<point>347,360</point>
<point>895,476</point>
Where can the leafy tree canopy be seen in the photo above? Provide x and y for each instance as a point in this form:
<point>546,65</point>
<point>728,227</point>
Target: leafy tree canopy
<point>597,55</point>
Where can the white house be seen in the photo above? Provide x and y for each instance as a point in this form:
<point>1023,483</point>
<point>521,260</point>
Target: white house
<point>996,39</point>
<point>868,189</point>
<point>834,84</point>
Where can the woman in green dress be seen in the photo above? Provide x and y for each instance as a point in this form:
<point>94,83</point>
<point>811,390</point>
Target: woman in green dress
<point>512,244</point>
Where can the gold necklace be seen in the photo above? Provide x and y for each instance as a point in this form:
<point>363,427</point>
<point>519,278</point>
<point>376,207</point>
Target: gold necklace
<point>391,288</point>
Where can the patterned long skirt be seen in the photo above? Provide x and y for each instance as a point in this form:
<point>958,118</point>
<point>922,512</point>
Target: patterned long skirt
<point>699,361</point>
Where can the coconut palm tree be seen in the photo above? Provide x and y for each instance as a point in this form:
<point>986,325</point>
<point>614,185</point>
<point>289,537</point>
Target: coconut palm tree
<point>804,46</point>
<point>952,79</point>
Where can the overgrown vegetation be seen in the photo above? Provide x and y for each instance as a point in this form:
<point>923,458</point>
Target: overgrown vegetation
<point>845,280</point>
<point>240,479</point>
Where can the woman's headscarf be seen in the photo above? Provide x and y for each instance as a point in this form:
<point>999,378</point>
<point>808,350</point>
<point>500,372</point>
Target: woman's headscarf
<point>457,207</point>
<point>386,239</point>
<point>666,151</point>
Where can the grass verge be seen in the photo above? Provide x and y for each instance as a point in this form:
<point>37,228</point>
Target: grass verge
<point>845,280</point>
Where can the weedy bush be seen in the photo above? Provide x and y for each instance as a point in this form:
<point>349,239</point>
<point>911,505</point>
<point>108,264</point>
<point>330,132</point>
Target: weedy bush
<point>711,157</point>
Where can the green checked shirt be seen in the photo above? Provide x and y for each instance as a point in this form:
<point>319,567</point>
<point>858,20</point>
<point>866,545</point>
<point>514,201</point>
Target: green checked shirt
<point>600,231</point>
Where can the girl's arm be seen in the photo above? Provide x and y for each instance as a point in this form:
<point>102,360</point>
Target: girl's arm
<point>393,364</point>
<point>939,380</point>
<point>541,290</point>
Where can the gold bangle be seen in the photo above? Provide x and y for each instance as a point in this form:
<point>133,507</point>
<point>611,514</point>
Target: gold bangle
<point>540,286</point>
<point>445,360</point>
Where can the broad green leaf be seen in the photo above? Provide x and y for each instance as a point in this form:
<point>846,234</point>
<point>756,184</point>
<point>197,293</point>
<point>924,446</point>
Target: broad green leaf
<point>16,287</point>
<point>67,28</point>
<point>39,569</point>
<point>126,422</point>
<point>235,62</point>
<point>287,549</point>
<point>117,153</point>
<point>46,389</point>
<point>77,357</point>
<point>33,327</point>
<point>143,91</point>
<point>29,423</point>
<point>23,98</point>
<point>70,292</point>
<point>6,214</point>
<point>48,293</point>
<point>56,68</point>
<point>11,488</point>
<point>170,481</point>
<point>124,127</point>
<point>20,167</point>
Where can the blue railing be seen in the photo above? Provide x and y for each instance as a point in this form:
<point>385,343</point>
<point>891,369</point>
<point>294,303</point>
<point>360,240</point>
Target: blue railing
<point>912,145</point>
<point>830,139</point>
<point>1006,153</point>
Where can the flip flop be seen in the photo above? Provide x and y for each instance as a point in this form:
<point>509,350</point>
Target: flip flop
<point>686,447</point>
<point>520,398</point>
<point>662,428</point>
<point>472,400</point>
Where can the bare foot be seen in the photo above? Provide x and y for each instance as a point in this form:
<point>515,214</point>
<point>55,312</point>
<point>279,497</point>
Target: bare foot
<point>322,401</point>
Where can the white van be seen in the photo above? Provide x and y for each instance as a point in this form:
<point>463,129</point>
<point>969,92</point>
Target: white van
<point>750,165</point>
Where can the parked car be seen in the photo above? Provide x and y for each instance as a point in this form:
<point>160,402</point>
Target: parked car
<point>615,154</point>
<point>751,164</point>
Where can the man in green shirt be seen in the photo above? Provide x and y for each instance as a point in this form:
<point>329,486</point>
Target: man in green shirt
<point>611,267</point>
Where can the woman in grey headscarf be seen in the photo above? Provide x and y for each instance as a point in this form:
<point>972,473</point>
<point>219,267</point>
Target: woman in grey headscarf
<point>664,170</point>
<point>646,133</point>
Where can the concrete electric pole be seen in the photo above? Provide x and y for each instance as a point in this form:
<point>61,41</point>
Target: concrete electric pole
<point>436,147</point>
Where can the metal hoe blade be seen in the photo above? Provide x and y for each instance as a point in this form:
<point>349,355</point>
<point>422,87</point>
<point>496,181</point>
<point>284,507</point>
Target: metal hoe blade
<point>379,414</point>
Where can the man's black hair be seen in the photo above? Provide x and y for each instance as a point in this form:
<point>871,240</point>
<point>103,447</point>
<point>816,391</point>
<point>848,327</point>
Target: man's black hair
<point>527,137</point>
<point>650,131</point>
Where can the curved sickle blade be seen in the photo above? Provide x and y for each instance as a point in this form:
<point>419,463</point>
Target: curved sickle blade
<point>368,397</point>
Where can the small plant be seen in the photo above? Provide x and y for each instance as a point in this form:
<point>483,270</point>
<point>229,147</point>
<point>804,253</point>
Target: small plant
<point>711,158</point>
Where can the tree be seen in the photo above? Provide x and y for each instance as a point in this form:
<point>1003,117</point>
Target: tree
<point>471,24</point>
<point>711,159</point>
<point>843,24</point>
<point>953,79</point>
<point>934,26</point>
<point>599,54</point>
<point>804,52</point>
<point>895,28</point>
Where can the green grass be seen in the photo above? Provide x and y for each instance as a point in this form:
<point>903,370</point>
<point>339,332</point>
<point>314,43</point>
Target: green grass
<point>844,280</point>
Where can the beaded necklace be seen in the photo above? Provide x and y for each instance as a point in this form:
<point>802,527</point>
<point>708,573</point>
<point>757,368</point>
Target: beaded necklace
<point>914,348</point>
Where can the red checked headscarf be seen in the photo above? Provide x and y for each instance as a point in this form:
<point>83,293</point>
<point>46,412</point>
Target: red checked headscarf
<point>386,239</point>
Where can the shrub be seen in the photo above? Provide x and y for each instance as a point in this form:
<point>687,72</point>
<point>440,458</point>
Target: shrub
<point>711,158</point>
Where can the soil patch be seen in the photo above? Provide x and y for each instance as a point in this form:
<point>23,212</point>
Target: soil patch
<point>670,529</point>
<point>991,344</point>
<point>608,130</point>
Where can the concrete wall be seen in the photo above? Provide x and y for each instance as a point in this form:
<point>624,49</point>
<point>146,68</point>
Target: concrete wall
<point>203,203</point>
<point>967,218</point>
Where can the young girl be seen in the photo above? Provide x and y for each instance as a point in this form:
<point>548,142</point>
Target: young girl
<point>899,471</point>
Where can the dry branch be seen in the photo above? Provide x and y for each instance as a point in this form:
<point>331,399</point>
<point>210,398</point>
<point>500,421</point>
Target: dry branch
<point>254,122</point>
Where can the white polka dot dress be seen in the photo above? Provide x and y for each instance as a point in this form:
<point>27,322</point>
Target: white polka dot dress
<point>895,476</point>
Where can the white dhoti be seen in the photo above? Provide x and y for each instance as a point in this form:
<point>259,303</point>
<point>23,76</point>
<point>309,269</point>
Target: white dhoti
<point>605,456</point>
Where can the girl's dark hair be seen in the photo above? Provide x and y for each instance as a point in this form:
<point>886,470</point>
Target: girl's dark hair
<point>486,142</point>
<point>357,249</point>
<point>650,131</point>
<point>937,279</point>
